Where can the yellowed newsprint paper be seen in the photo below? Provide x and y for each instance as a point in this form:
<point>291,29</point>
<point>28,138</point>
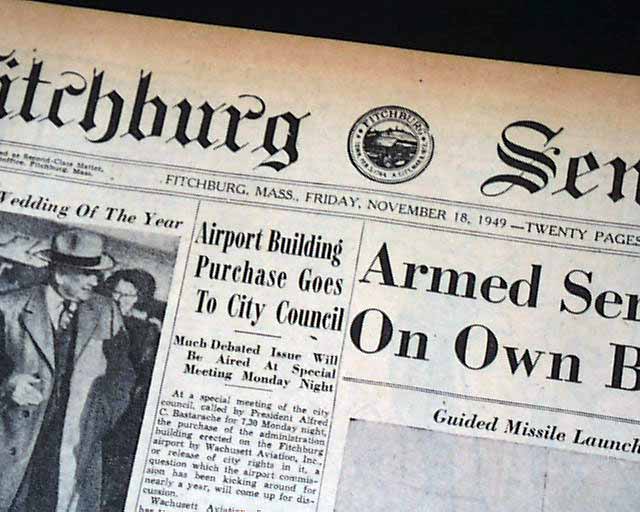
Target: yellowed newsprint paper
<point>249,272</point>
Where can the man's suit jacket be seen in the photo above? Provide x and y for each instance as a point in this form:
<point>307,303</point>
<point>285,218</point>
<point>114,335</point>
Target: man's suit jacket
<point>100,386</point>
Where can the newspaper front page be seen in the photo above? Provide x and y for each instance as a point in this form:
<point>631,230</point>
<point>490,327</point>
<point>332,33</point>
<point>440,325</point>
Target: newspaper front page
<point>248,272</point>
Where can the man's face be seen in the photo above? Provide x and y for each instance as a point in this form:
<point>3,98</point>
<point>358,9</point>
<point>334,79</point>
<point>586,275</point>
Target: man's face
<point>126,296</point>
<point>75,284</point>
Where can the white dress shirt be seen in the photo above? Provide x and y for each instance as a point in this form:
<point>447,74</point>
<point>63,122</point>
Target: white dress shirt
<point>55,305</point>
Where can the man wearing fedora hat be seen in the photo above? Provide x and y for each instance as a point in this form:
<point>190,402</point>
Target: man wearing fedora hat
<point>65,379</point>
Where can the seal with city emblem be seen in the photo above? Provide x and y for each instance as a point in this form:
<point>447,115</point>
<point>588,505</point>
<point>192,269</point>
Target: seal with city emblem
<point>390,144</point>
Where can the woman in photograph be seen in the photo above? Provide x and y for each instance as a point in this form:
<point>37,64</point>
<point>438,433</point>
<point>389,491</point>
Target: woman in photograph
<point>133,291</point>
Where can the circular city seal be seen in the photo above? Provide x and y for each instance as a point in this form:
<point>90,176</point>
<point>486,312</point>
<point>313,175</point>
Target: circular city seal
<point>390,144</point>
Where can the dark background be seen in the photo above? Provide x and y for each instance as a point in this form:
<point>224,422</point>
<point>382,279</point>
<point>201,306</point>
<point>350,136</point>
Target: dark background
<point>587,35</point>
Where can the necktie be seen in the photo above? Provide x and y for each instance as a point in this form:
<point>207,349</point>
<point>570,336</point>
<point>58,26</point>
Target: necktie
<point>66,315</point>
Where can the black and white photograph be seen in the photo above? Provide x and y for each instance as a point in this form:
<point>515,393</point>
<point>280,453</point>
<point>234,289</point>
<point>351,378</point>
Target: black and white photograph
<point>81,311</point>
<point>391,467</point>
